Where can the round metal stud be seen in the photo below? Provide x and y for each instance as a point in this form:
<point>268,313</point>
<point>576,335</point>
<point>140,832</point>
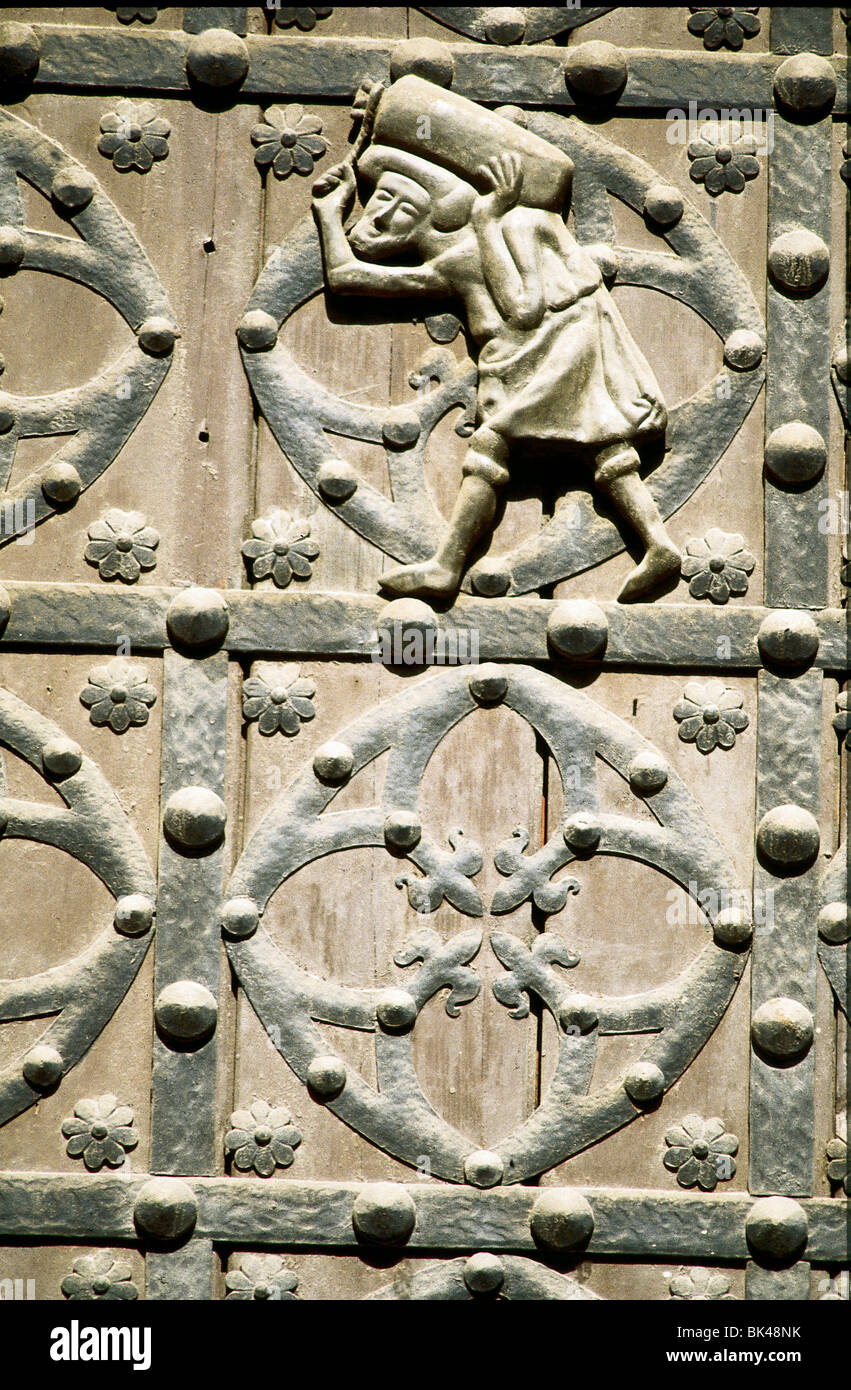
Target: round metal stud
<point>488,684</point>
<point>396,1010</point>
<point>491,577</point>
<point>401,428</point>
<point>595,69</point>
<point>157,336</point>
<point>12,247</point>
<point>428,58</point>
<point>326,1077</point>
<point>743,350</point>
<point>257,331</point>
<point>336,480</point>
<point>484,1273</point>
<point>561,1220</point>
<point>61,757</point>
<point>582,832</point>
<point>5,606</point>
<point>798,261</point>
<point>240,918</point>
<point>788,637</point>
<point>806,84</point>
<point>165,1209</point>
<point>579,629</point>
<point>8,414</point>
<point>43,1066</point>
<point>644,1083</point>
<point>578,1017</point>
<point>505,25</point>
<point>732,927</point>
<point>61,483</point>
<point>782,1029</point>
<point>134,915</point>
<point>333,762</point>
<point>834,923</point>
<point>217,58</point>
<point>606,257</point>
<point>20,51</point>
<point>483,1168</point>
<point>185,1011</point>
<point>384,1214</point>
<point>789,837</point>
<point>663,204</point>
<point>647,774</point>
<point>402,830</point>
<point>195,818</point>
<point>198,617</point>
<point>73,187</point>
<point>776,1228</point>
<point>795,453</point>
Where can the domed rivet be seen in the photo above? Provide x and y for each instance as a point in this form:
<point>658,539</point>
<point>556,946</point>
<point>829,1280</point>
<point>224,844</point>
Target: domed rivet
<point>483,1168</point>
<point>20,51</point>
<point>61,483</point>
<point>806,83</point>
<point>776,1227</point>
<point>217,58</point>
<point>491,577</point>
<point>795,453</point>
<point>401,428</point>
<point>326,1077</point>
<point>165,1209</point>
<point>195,818</point>
<point>842,363</point>
<point>788,637</point>
<point>43,1066</point>
<point>605,257</point>
<point>743,350</point>
<point>8,415</point>
<point>185,1011</point>
<point>198,617</point>
<point>663,204</point>
<point>582,831</point>
<point>504,25</point>
<point>732,927</point>
<point>73,187</point>
<point>579,629</point>
<point>484,1273</point>
<point>384,1214</point>
<point>782,1029</point>
<point>12,247</point>
<point>134,915</point>
<point>333,762</point>
<point>336,480</point>
<point>647,773</point>
<point>488,684</point>
<point>61,757</point>
<point>157,336</point>
<point>5,606</point>
<point>798,261</point>
<point>257,331</point>
<point>428,58</point>
<point>402,624</point>
<point>402,830</point>
<point>240,918</point>
<point>788,836</point>
<point>644,1083</point>
<point>595,69</point>
<point>396,1010</point>
<point>834,924</point>
<point>561,1220</point>
<point>578,1016</point>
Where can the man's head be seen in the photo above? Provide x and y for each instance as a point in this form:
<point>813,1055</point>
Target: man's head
<point>397,212</point>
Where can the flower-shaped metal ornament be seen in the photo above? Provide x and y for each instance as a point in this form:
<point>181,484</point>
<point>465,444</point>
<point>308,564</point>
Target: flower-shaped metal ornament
<point>717,565</point>
<point>133,136</point>
<point>700,1284</point>
<point>263,1138</point>
<point>99,1276</point>
<point>100,1130</point>
<point>122,544</point>
<point>288,139</point>
<point>261,1277</point>
<point>722,168</point>
<point>279,699</point>
<point>280,548</point>
<point>118,694</point>
<point>723,26</point>
<point>700,1152</point>
<point>710,715</point>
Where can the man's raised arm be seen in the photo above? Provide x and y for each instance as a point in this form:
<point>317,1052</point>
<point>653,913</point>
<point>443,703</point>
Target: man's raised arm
<point>344,272</point>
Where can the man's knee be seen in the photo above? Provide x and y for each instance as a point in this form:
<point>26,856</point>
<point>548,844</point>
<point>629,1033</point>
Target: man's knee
<point>613,462</point>
<point>487,458</point>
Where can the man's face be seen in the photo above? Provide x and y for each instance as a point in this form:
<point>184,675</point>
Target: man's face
<point>395,213</point>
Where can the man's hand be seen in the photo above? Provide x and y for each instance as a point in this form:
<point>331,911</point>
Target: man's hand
<point>504,174</point>
<point>335,190</point>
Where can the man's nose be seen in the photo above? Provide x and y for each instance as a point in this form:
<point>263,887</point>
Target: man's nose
<point>383,217</point>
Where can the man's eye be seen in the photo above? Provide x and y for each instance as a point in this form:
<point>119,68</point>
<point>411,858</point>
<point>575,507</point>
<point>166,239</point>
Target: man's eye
<point>408,209</point>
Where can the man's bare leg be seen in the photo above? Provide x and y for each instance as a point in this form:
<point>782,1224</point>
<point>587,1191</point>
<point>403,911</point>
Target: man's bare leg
<point>475,507</point>
<point>616,474</point>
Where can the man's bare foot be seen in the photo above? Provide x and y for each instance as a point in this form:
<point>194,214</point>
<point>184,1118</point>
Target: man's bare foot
<point>427,579</point>
<point>661,562</point>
